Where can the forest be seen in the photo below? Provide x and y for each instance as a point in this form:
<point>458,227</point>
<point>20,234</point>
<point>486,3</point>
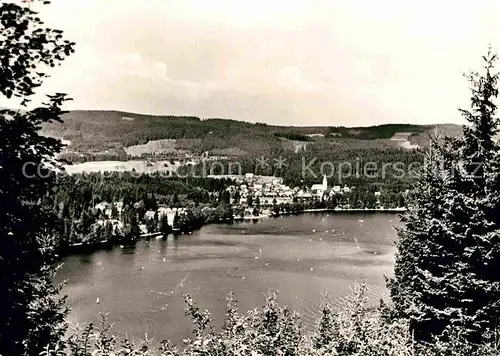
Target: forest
<point>75,200</point>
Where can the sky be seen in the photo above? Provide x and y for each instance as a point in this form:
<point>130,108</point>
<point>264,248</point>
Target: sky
<point>286,62</point>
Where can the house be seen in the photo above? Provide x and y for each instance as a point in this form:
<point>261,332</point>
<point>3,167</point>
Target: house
<point>305,196</point>
<point>150,215</point>
<point>102,206</point>
<point>169,212</point>
<point>119,206</point>
<point>117,225</point>
<point>336,189</point>
<point>163,211</point>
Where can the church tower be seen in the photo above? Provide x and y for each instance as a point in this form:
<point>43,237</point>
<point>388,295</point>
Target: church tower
<point>325,183</point>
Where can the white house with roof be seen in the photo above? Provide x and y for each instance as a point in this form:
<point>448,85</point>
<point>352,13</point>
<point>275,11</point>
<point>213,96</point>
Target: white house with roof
<point>102,206</point>
<point>169,212</point>
<point>257,187</point>
<point>150,215</point>
<point>304,195</point>
<point>336,189</point>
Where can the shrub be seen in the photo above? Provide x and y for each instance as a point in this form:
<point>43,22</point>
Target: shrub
<point>271,331</point>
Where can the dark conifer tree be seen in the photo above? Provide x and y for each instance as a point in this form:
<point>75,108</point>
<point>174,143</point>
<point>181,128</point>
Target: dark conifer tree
<point>446,273</point>
<point>132,230</point>
<point>421,257</point>
<point>479,146</point>
<point>164,227</point>
<point>151,226</point>
<point>175,223</point>
<point>250,200</point>
<point>175,201</point>
<point>108,233</point>
<point>478,222</point>
<point>114,212</point>
<point>156,220</point>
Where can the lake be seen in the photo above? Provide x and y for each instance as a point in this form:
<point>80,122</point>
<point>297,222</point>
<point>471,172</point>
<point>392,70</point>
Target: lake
<point>142,286</point>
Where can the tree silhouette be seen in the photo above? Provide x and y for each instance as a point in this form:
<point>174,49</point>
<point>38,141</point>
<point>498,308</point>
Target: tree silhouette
<point>31,313</point>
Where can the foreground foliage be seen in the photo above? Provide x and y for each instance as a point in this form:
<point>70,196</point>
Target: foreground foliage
<point>31,312</point>
<point>355,330</point>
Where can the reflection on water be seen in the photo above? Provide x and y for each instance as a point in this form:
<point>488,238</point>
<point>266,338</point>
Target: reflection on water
<point>85,259</point>
<point>141,286</point>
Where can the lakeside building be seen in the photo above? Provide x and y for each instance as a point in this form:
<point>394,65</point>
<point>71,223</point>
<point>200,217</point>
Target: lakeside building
<point>318,190</point>
<point>303,195</point>
<point>107,208</point>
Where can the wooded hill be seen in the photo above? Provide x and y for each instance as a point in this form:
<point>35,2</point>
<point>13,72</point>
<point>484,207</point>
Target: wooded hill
<point>112,131</point>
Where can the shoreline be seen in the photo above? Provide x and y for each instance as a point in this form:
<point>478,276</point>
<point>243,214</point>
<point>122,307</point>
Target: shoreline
<point>340,210</point>
<point>323,210</point>
<point>374,210</point>
<point>107,244</point>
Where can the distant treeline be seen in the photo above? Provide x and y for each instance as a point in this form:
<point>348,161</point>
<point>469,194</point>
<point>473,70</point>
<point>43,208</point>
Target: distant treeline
<point>102,130</point>
<point>293,136</point>
<point>82,190</point>
<point>375,132</point>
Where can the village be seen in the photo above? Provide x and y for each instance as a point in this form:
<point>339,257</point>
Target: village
<point>251,197</point>
<point>271,190</point>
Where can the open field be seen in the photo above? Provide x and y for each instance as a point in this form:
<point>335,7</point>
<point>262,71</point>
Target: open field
<point>118,166</point>
<point>164,146</point>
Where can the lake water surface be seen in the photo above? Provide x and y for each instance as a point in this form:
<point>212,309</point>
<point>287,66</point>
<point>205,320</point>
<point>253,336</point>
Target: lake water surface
<point>142,287</point>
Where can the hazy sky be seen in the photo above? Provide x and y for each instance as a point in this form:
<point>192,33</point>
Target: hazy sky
<point>310,62</point>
